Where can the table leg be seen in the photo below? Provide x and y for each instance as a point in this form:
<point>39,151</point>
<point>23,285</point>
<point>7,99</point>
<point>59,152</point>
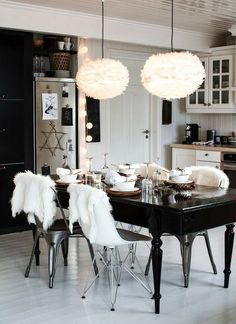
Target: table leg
<point>154,219</point>
<point>156,265</point>
<point>229,240</point>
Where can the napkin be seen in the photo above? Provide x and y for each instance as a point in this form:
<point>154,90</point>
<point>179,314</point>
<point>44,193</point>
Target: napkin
<point>112,177</point>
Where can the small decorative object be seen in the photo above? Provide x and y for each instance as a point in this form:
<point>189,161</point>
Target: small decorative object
<point>102,78</point>
<point>45,169</point>
<point>172,75</point>
<point>52,140</point>
<point>65,91</point>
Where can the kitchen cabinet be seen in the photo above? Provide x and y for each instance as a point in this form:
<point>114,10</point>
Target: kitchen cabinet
<point>215,95</point>
<point>182,158</point>
<point>194,155</point>
<point>209,158</point>
<point>16,119</point>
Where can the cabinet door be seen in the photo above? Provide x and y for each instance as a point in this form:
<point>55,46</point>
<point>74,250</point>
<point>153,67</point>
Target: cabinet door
<point>11,131</point>
<point>182,158</point>
<point>199,99</point>
<point>220,78</point>
<point>7,222</point>
<point>12,66</point>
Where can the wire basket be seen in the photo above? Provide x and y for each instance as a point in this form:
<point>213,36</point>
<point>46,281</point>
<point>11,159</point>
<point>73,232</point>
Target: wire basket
<point>60,61</point>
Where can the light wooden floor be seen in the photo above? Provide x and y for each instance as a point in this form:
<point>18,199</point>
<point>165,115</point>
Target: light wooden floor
<point>30,301</point>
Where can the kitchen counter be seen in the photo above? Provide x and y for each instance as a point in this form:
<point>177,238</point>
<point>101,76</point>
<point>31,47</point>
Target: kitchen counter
<point>219,148</point>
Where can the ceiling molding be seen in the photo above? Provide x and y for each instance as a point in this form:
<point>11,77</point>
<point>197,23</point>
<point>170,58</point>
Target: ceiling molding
<point>22,16</point>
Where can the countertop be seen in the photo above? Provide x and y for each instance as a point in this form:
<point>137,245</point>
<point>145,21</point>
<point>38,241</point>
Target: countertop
<point>219,148</point>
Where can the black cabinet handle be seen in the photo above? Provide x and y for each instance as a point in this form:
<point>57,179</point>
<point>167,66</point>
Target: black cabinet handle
<point>206,154</point>
<point>3,168</point>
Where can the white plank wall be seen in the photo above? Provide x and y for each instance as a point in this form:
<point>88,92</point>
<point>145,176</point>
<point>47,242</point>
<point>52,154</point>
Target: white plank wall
<point>223,124</point>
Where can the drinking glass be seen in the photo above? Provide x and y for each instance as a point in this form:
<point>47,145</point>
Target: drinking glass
<point>97,179</point>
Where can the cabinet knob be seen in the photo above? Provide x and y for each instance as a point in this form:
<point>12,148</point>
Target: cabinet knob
<point>206,154</point>
<point>208,104</point>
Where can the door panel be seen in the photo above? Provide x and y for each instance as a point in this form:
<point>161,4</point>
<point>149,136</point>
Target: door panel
<point>129,119</point>
<point>11,66</point>
<point>7,222</point>
<point>11,131</point>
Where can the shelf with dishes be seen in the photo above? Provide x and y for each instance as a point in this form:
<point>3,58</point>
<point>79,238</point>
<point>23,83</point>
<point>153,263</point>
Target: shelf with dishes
<point>54,56</point>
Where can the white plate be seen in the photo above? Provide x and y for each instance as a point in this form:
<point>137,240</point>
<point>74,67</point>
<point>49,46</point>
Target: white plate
<point>64,182</point>
<point>115,189</point>
<point>179,182</point>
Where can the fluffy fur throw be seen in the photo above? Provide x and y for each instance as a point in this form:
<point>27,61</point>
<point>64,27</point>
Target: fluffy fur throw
<point>208,176</point>
<point>33,194</point>
<point>82,201</point>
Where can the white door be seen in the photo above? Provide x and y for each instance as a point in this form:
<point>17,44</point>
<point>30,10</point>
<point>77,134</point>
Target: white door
<point>130,133</point>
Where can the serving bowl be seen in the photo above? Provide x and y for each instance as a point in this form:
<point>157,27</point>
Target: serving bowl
<point>125,186</point>
<point>68,178</point>
<point>180,178</point>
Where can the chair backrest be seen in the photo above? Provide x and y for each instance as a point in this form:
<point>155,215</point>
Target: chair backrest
<point>33,195</point>
<point>208,176</point>
<point>91,208</point>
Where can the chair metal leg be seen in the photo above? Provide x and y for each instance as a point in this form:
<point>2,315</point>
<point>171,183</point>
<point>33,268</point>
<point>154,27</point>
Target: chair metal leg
<point>92,256</point>
<point>36,249</point>
<point>54,240</point>
<point>186,241</point>
<point>65,249</point>
<point>206,237</point>
<point>36,238</point>
<point>148,264</point>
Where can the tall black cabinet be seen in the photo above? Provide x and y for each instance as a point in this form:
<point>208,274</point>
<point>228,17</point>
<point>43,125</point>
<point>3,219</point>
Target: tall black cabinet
<point>16,119</point>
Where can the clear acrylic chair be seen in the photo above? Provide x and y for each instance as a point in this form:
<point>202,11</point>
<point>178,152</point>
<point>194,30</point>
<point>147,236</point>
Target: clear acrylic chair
<point>201,175</point>
<point>36,196</point>
<point>95,218</point>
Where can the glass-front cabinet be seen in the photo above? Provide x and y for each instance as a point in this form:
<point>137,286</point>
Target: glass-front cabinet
<point>215,94</point>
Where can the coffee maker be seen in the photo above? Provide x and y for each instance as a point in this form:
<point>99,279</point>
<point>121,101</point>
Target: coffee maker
<point>191,133</point>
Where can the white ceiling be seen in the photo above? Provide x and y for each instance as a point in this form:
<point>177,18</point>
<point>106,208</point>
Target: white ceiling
<point>207,16</point>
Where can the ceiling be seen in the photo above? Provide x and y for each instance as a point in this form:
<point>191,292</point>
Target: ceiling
<point>207,16</point>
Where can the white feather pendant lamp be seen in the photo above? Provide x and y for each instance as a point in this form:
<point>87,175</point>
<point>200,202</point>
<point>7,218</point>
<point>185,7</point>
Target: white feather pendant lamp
<point>102,78</point>
<point>172,75</point>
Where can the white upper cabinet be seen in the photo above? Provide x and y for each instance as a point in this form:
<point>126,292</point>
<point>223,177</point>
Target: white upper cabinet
<point>214,95</point>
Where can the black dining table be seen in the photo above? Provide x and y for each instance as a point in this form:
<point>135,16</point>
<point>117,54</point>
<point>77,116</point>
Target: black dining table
<point>206,208</point>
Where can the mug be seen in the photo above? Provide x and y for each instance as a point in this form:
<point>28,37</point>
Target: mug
<point>67,39</point>
<point>68,46</point>
<point>61,45</point>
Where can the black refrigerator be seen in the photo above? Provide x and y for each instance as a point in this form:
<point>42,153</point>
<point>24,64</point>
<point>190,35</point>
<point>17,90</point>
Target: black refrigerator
<point>16,120</point>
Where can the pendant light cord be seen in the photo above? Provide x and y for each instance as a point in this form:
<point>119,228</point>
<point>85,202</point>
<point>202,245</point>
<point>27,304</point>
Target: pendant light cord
<point>102,28</point>
<point>172,24</point>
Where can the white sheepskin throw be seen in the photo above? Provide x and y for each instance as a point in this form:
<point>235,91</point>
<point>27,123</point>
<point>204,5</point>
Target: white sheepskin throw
<point>82,201</point>
<point>208,176</point>
<point>33,194</point>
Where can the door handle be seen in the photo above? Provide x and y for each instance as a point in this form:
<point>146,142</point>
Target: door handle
<point>146,131</point>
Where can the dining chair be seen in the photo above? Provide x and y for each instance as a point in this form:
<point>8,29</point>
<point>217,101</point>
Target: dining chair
<point>205,176</point>
<point>91,208</point>
<point>35,195</point>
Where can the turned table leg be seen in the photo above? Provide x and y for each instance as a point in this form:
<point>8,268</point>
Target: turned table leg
<point>229,240</point>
